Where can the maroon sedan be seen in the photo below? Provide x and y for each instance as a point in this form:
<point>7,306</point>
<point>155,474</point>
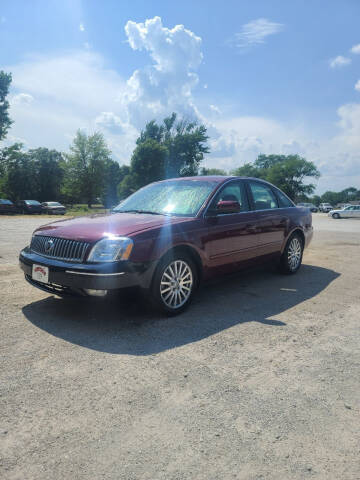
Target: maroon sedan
<point>167,237</point>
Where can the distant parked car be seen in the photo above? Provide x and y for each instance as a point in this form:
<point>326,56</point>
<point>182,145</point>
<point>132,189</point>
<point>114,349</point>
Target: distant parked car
<point>325,207</point>
<point>347,212</point>
<point>53,208</point>
<point>28,206</point>
<point>311,206</point>
<point>7,206</point>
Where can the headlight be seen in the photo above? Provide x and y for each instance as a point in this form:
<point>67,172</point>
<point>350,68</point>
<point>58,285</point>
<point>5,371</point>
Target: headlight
<point>111,249</point>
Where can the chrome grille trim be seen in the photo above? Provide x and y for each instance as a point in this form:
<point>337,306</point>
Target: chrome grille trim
<point>63,249</point>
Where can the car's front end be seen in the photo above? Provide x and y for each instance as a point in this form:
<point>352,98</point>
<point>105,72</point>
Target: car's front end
<point>102,253</point>
<point>72,267</point>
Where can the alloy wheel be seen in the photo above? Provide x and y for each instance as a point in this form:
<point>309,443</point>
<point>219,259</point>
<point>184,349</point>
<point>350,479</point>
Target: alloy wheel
<point>176,284</point>
<point>294,253</point>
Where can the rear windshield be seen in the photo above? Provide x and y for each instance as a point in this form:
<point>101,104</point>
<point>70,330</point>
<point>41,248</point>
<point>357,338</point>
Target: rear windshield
<point>32,202</point>
<point>5,202</point>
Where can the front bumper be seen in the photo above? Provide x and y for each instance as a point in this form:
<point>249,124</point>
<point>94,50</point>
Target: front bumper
<point>68,277</point>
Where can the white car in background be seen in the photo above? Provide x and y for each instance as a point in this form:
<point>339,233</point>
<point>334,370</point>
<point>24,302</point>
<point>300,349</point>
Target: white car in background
<point>346,212</point>
<point>325,207</point>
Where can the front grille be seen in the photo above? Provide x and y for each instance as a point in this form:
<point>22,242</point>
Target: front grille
<point>59,248</point>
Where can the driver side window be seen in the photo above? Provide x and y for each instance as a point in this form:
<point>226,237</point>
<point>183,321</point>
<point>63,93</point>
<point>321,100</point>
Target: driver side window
<point>234,191</point>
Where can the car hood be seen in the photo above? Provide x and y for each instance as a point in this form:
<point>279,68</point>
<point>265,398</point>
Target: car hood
<point>94,227</point>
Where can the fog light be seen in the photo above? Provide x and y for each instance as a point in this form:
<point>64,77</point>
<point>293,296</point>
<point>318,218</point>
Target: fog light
<point>95,293</point>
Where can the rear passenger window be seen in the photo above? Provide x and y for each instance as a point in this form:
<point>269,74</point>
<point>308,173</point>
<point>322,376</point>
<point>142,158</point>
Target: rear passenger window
<point>263,196</point>
<point>284,201</point>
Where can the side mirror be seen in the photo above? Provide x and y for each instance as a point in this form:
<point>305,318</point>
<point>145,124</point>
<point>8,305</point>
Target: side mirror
<point>227,206</point>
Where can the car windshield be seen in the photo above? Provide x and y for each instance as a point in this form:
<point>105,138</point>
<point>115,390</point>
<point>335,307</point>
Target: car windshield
<point>32,202</point>
<point>172,197</point>
<point>5,202</point>
<point>53,204</point>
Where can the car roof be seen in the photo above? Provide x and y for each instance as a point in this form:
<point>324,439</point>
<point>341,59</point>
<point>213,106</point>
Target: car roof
<point>214,178</point>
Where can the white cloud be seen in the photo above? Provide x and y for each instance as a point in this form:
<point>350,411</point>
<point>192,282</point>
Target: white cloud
<point>167,85</point>
<point>72,91</point>
<point>79,78</point>
<point>356,49</point>
<point>81,27</point>
<point>110,122</point>
<point>357,86</point>
<point>339,61</point>
<point>235,141</point>
<point>255,32</point>
<point>22,98</point>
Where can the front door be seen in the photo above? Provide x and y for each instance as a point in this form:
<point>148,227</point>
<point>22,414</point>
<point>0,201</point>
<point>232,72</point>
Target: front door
<point>232,237</point>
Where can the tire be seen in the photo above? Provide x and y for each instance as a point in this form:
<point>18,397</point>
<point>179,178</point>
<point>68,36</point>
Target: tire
<point>335,215</point>
<point>167,294</point>
<point>291,258</point>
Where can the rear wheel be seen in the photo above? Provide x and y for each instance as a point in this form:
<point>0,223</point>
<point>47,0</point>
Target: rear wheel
<point>174,283</point>
<point>335,215</point>
<point>291,258</point>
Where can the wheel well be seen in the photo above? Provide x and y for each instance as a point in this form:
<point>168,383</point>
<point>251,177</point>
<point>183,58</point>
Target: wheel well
<point>193,254</point>
<point>301,234</point>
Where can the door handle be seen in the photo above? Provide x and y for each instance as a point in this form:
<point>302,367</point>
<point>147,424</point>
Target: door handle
<point>251,228</point>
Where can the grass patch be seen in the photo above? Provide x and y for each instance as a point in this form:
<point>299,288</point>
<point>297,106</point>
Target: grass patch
<point>83,209</point>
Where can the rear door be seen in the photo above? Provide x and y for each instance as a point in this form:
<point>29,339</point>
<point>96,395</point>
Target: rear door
<point>232,237</point>
<point>353,211</point>
<point>272,221</point>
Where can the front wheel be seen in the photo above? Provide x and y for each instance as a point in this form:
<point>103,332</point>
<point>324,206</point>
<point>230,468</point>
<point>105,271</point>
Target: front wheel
<point>173,284</point>
<point>291,258</point>
<point>335,215</point>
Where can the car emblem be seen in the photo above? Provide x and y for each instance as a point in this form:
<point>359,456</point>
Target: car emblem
<point>49,245</point>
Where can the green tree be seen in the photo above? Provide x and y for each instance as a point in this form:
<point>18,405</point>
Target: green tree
<point>186,145</point>
<point>5,121</point>
<point>315,199</point>
<point>148,162</point>
<point>48,165</point>
<point>212,171</point>
<point>171,149</point>
<point>85,168</point>
<point>249,170</point>
<point>36,174</point>
<point>113,177</point>
<point>18,180</point>
<point>288,172</point>
<point>127,186</point>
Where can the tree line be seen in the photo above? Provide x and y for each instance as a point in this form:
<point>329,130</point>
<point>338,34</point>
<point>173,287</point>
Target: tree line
<point>172,148</point>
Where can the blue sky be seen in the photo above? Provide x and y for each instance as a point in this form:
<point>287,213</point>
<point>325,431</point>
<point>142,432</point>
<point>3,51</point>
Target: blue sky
<point>265,77</point>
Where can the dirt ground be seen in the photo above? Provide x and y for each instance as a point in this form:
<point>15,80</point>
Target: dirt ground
<point>259,379</point>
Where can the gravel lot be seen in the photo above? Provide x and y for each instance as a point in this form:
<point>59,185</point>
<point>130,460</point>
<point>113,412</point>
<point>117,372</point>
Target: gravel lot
<point>260,379</point>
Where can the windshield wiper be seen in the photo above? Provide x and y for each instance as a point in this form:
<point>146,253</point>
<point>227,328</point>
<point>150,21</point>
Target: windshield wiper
<point>140,211</point>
